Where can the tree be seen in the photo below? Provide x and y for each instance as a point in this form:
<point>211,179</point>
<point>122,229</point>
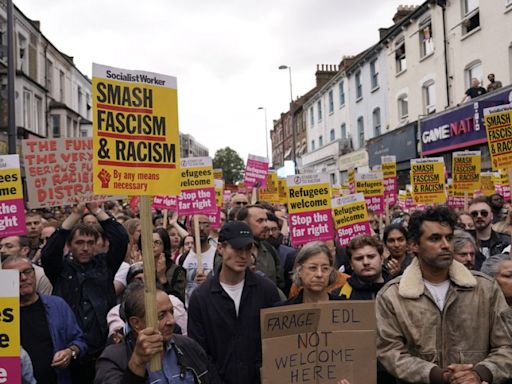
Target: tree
<point>231,164</point>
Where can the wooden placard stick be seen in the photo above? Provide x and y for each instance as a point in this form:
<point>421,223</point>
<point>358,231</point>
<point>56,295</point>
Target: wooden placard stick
<point>166,224</point>
<point>466,202</point>
<point>254,194</point>
<point>386,209</point>
<point>146,224</point>
<point>197,239</point>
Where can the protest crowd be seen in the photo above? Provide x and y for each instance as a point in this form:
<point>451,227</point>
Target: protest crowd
<point>442,282</point>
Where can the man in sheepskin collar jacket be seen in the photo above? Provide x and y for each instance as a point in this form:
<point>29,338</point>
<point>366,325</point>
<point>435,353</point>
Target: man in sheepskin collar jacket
<point>440,322</point>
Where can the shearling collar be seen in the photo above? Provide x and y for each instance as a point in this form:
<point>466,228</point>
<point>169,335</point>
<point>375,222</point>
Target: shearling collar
<point>411,284</point>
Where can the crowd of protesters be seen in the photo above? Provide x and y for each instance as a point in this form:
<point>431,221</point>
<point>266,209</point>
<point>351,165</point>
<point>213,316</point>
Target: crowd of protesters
<point>442,282</point>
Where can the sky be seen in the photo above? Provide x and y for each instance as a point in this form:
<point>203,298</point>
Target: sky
<point>224,53</point>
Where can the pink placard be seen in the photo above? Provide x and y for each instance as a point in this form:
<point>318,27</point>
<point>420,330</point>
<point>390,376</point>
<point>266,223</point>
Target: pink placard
<point>12,218</point>
<point>214,219</point>
<point>347,233</point>
<point>390,190</point>
<point>256,171</point>
<point>311,226</point>
<point>165,202</point>
<point>375,203</point>
<point>12,367</point>
<point>197,201</point>
<point>455,202</point>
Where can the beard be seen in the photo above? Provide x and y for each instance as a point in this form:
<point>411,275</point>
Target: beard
<point>275,241</point>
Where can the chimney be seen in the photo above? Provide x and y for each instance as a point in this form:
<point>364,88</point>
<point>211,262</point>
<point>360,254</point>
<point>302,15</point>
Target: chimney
<point>383,32</point>
<point>402,12</point>
<point>325,72</point>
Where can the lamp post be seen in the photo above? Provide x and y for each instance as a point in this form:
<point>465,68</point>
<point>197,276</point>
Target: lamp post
<point>11,121</point>
<point>266,130</point>
<point>289,68</point>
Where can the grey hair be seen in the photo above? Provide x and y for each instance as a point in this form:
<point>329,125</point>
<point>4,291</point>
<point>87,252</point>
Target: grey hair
<point>307,251</point>
<point>491,266</point>
<point>461,238</point>
<point>15,258</point>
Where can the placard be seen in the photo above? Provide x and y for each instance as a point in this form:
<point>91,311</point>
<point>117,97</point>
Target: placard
<point>319,343</point>
<point>498,125</point>
<point>219,191</point>
<point>428,184</point>
<point>466,171</point>
<point>372,186</point>
<point>271,191</point>
<point>350,217</point>
<point>12,208</point>
<point>351,173</point>
<point>10,344</point>
<point>309,207</point>
<point>135,132</point>
<point>197,187</point>
<point>256,172</point>
<point>390,182</point>
<point>487,183</point>
<point>165,202</point>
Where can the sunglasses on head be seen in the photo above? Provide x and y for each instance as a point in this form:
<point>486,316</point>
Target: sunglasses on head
<point>483,213</point>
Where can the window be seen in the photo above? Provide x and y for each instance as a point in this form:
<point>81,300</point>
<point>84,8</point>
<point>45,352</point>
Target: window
<point>38,116</point>
<point>69,127</point>
<point>376,122</point>
<point>400,59</point>
<point>359,86</point>
<point>343,130</point>
<point>319,107</point>
<point>429,98</point>
<point>61,85</point>
<point>374,73</point>
<point>311,117</point>
<point>473,71</point>
<point>332,135</point>
<point>342,94</point>
<point>3,39</point>
<point>426,40</point>
<point>360,130</point>
<point>49,76</point>
<point>403,106</point>
<point>27,109</point>
<point>23,53</point>
<point>470,16</point>
<point>331,101</point>
<point>55,126</point>
<point>79,105</point>
<point>320,141</point>
<point>312,145</point>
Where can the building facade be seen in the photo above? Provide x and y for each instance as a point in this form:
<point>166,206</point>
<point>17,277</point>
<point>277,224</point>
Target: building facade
<point>190,147</point>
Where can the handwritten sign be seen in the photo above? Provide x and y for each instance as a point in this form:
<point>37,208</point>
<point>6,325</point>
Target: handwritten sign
<point>498,124</point>
<point>197,187</point>
<point>12,209</point>
<point>135,132</point>
<point>372,186</point>
<point>256,171</point>
<point>428,184</point>
<point>319,343</point>
<point>466,171</point>
<point>350,217</point>
<point>309,206</point>
<point>10,345</point>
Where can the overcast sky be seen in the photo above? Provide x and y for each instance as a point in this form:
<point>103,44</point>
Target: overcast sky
<point>225,53</point>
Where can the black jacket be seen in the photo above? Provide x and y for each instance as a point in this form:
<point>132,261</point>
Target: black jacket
<point>90,283</point>
<point>112,365</point>
<point>233,343</point>
<point>355,289</point>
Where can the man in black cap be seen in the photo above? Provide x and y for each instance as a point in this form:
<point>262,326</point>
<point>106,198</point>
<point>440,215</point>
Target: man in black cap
<point>223,314</point>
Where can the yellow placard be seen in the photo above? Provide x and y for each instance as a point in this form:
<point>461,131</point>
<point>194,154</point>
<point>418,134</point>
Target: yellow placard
<point>10,311</point>
<point>218,174</point>
<point>197,178</point>
<point>135,132</point>
<point>351,173</point>
<point>498,124</point>
<point>336,191</point>
<point>370,187</point>
<point>308,193</point>
<point>389,170</point>
<point>428,182</point>
<point>487,183</point>
<point>466,171</point>
<point>219,196</point>
<point>349,214</point>
<point>281,185</point>
<point>271,191</point>
<point>10,181</point>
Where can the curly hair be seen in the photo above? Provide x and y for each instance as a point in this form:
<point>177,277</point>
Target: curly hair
<point>439,214</point>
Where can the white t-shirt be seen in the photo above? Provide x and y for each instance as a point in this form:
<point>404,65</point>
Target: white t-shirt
<point>122,272</point>
<point>235,292</point>
<point>190,265</point>
<point>438,292</point>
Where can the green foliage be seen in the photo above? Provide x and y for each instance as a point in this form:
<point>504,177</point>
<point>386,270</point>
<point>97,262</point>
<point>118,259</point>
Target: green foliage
<point>231,164</point>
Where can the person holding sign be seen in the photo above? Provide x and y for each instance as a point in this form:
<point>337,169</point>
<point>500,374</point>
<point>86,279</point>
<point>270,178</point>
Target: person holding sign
<point>223,314</point>
<point>422,316</point>
<point>84,279</point>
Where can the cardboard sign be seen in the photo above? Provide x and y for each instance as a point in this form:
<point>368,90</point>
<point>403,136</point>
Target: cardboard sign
<point>466,171</point>
<point>165,202</point>
<point>319,343</point>
<point>487,183</point>
<point>219,190</point>
<point>256,171</point>
<point>12,208</point>
<point>309,207</point>
<point>372,186</point>
<point>350,217</point>
<point>197,187</point>
<point>59,171</point>
<point>10,344</point>
<point>271,191</point>
<point>351,180</point>
<point>427,177</point>
<point>498,124</point>
<point>390,183</point>
<point>135,132</point>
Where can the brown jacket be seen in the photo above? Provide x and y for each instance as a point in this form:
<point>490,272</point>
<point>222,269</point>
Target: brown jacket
<point>414,337</point>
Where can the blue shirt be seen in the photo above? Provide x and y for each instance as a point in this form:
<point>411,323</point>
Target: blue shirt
<point>172,371</point>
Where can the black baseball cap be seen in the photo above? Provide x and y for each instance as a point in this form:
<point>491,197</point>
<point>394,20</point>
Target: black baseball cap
<point>237,234</point>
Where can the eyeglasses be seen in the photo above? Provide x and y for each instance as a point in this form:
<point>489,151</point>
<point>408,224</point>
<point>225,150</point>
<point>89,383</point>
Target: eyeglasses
<point>27,272</point>
<point>325,269</point>
<point>483,213</point>
<point>241,202</point>
<point>276,229</point>
<point>156,243</point>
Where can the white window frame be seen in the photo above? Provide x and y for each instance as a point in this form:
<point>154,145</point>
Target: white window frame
<point>429,99</point>
<point>403,100</point>
<point>469,13</point>
<point>377,122</point>
<point>426,45</point>
<point>319,110</point>
<point>400,59</point>
<point>27,109</point>
<point>359,86</point>
<point>331,101</point>
<point>360,131</point>
<point>469,72</point>
<point>374,74</point>
<point>343,130</point>
<point>341,89</point>
<point>311,116</point>
<point>332,135</point>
